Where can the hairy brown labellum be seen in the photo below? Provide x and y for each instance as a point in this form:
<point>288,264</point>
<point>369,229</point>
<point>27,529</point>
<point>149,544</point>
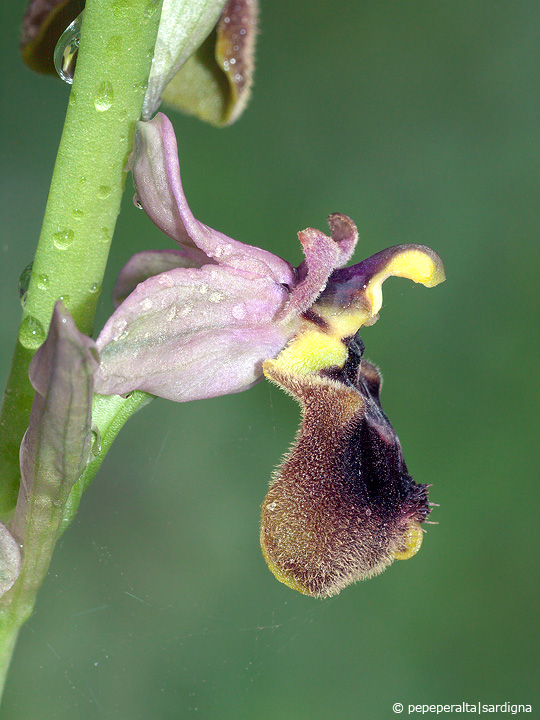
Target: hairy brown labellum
<point>342,506</point>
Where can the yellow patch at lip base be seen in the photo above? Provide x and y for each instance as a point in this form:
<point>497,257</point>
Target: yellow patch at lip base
<point>412,541</point>
<point>315,348</point>
<point>310,351</point>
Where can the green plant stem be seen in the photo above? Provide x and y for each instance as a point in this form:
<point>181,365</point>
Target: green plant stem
<point>7,646</point>
<point>116,49</point>
<point>109,415</point>
<point>115,54</point>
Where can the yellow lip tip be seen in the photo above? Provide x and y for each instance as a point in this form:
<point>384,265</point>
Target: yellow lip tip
<point>437,274</point>
<point>412,541</point>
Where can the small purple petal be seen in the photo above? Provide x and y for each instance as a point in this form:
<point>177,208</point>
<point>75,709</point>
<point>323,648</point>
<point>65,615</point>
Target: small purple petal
<point>156,173</point>
<point>345,234</point>
<point>188,334</point>
<point>146,264</point>
<point>322,254</point>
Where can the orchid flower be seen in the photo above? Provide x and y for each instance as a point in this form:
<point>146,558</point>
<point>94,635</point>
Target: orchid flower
<point>199,321</point>
<point>213,315</point>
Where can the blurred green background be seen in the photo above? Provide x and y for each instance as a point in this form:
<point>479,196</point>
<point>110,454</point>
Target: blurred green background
<point>421,121</point>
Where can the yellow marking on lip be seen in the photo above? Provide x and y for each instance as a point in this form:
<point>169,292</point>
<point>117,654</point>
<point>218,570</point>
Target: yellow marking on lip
<point>414,264</point>
<point>315,348</point>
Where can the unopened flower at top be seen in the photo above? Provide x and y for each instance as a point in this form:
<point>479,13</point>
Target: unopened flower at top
<point>210,317</point>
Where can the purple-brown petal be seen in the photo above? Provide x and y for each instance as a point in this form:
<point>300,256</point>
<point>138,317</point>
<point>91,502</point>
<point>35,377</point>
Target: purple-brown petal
<point>345,233</point>
<point>188,334</point>
<point>235,52</point>
<point>215,82</point>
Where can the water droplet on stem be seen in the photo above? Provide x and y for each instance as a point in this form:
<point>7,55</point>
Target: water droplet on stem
<point>31,333</point>
<point>43,282</point>
<point>67,49</point>
<point>104,96</point>
<point>96,441</point>
<point>62,239</point>
<point>104,191</point>
<point>24,282</point>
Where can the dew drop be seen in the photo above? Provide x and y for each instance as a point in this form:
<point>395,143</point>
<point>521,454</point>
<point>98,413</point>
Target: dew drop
<point>63,238</point>
<point>94,288</point>
<point>119,330</point>
<point>104,235</point>
<point>31,333</point>
<point>121,8</point>
<point>43,282</point>
<point>103,192</point>
<point>137,202</point>
<point>77,213</point>
<point>104,96</point>
<point>24,282</point>
<point>96,441</point>
<point>65,299</point>
<point>114,47</point>
<point>67,49</point>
